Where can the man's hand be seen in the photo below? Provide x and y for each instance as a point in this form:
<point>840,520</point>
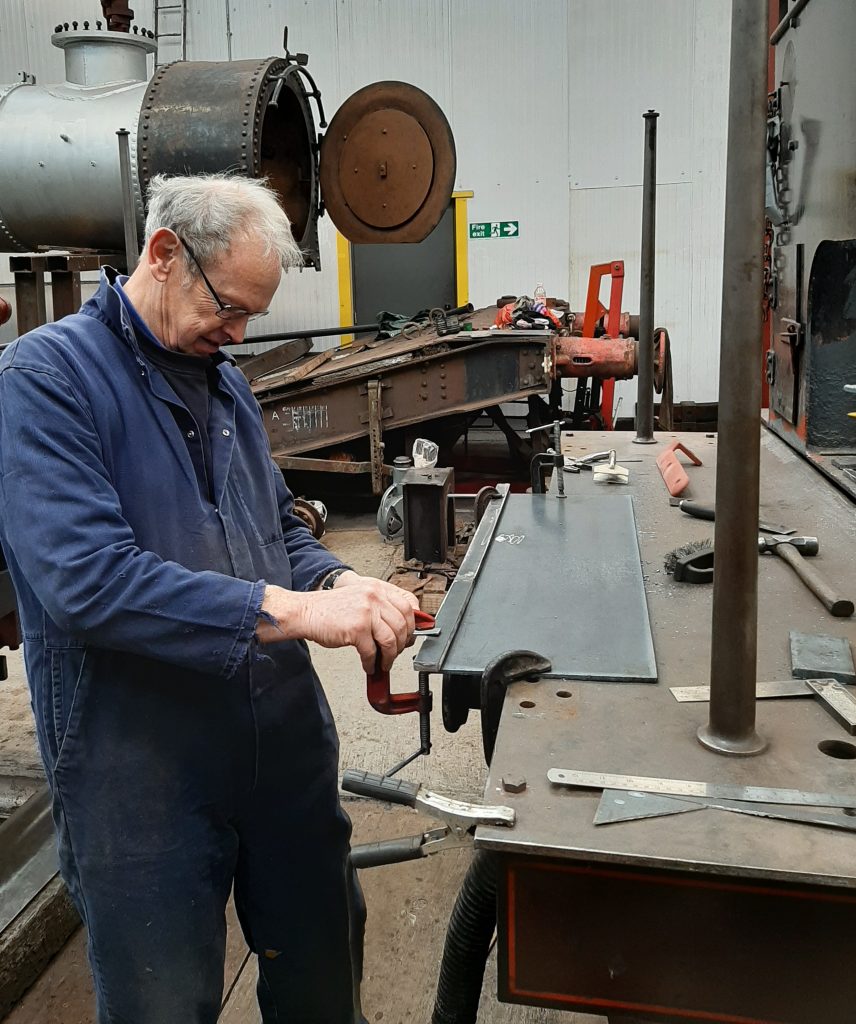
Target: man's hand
<point>359,611</point>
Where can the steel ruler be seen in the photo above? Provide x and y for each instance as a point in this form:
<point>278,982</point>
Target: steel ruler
<point>786,688</point>
<point>683,787</point>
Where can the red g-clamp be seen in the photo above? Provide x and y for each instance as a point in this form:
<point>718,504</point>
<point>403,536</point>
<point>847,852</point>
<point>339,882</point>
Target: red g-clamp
<point>377,683</point>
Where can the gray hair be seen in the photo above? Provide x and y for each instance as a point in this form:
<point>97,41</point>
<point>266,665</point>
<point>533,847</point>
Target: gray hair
<point>211,211</point>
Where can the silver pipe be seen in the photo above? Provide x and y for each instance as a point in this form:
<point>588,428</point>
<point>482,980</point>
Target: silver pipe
<point>129,217</point>
<point>645,370</point>
<point>731,725</point>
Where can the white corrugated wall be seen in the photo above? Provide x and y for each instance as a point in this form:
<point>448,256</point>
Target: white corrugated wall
<point>545,98</point>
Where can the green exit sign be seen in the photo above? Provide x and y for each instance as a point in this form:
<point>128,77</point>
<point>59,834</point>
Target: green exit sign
<point>495,229</point>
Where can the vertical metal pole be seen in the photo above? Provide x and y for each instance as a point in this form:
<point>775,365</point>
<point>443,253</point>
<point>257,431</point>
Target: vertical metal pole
<point>129,216</point>
<point>645,375</point>
<point>731,725</point>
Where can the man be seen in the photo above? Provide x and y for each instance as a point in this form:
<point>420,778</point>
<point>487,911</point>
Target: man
<point>166,592</point>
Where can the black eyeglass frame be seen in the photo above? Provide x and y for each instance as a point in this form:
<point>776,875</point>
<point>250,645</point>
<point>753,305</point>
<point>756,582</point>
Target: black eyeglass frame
<point>225,310</point>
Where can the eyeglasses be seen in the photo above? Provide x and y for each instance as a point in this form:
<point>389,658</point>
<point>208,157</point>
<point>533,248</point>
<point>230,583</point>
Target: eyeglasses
<point>226,311</point>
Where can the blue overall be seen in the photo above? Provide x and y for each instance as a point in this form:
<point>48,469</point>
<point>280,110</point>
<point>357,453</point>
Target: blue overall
<point>183,758</point>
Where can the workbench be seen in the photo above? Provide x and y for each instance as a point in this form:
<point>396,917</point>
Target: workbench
<point>708,915</point>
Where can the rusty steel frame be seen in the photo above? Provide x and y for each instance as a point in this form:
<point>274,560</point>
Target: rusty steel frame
<point>321,413</point>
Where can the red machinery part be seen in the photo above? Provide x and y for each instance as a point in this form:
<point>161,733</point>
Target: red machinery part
<point>5,311</point>
<point>377,683</point>
<point>594,357</point>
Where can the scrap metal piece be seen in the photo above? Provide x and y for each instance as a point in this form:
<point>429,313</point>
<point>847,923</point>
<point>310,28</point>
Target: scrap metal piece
<point>619,805</point>
<point>817,655</point>
<point>707,790</point>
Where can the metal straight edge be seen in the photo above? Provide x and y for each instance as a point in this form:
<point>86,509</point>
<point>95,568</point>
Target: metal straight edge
<point>684,787</point>
<point>730,728</point>
<point>433,652</point>
<point>786,688</point>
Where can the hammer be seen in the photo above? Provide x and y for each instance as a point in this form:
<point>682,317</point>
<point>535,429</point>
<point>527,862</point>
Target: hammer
<point>791,549</point>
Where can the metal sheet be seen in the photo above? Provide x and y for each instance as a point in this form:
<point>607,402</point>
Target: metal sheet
<point>555,573</point>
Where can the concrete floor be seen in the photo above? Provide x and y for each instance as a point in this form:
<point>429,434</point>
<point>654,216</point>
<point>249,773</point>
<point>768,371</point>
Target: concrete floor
<point>408,904</point>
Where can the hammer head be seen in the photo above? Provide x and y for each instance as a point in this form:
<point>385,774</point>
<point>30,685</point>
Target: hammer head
<point>805,545</point>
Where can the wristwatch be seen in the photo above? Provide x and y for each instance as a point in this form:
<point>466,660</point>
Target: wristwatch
<point>331,577</point>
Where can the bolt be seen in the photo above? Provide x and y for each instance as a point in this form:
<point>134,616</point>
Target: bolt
<point>58,28</point>
<point>74,25</point>
<point>514,783</point>
<point>86,26</point>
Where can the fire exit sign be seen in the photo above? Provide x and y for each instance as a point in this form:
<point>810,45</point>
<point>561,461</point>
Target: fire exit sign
<point>495,229</point>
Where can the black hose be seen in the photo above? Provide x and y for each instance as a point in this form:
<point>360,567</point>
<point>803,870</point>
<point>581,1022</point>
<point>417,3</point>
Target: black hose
<point>468,940</point>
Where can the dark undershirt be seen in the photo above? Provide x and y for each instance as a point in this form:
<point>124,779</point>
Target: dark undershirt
<point>193,379</point>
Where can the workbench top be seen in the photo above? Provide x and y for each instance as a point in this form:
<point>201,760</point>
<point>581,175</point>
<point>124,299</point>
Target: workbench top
<point>640,729</point>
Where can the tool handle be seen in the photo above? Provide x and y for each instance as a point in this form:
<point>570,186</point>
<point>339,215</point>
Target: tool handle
<point>836,605</point>
<point>389,851</point>
<point>379,787</point>
<point>692,508</point>
<point>423,619</point>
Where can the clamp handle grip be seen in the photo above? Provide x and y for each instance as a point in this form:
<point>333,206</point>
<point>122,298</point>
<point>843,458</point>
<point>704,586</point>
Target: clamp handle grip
<point>380,787</point>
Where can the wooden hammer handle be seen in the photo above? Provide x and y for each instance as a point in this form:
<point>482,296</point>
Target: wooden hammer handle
<point>836,605</point>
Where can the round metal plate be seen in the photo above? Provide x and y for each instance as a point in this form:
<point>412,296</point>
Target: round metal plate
<point>388,165</point>
<point>385,168</point>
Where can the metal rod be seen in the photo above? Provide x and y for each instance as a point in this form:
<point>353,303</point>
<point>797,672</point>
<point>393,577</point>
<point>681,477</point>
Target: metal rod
<point>645,371</point>
<point>129,216</point>
<point>731,725</point>
<point>321,332</point>
<point>786,22</point>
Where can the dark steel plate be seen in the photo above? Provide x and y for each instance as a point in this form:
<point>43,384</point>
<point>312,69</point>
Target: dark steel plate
<point>388,164</point>
<point>561,577</point>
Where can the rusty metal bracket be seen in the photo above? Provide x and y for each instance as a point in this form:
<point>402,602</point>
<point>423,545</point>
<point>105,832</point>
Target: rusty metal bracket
<point>375,417</point>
